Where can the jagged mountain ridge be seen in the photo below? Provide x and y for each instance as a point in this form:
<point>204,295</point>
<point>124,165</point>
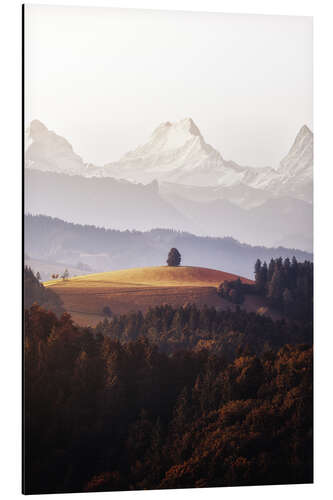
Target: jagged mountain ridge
<point>296,168</point>
<point>47,151</point>
<point>60,184</point>
<point>177,153</point>
<point>299,159</point>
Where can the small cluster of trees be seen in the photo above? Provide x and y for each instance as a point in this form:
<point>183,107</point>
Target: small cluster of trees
<point>232,291</point>
<point>63,276</point>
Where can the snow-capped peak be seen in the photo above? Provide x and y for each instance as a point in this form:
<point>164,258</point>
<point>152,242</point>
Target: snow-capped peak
<point>168,137</point>
<point>186,125</point>
<point>36,129</point>
<point>177,153</point>
<point>45,150</point>
<point>299,160</point>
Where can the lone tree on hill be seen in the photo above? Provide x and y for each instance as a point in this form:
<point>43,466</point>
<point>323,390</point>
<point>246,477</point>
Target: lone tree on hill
<point>174,257</point>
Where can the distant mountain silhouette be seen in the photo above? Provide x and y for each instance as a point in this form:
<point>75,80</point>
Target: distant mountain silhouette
<point>176,180</point>
<point>106,202</point>
<point>122,205</point>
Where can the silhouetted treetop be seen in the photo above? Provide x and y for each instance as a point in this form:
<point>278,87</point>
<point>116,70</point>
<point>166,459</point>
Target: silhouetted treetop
<point>174,257</point>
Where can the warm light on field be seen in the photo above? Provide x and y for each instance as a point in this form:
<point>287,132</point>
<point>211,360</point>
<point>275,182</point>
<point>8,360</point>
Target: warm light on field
<point>151,276</point>
<point>140,288</point>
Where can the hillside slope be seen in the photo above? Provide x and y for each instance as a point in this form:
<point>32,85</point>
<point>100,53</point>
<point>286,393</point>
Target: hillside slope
<point>123,205</point>
<point>152,276</point>
<point>138,289</point>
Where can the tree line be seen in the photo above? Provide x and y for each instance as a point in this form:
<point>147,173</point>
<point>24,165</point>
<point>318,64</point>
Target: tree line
<point>226,333</point>
<point>287,285</point>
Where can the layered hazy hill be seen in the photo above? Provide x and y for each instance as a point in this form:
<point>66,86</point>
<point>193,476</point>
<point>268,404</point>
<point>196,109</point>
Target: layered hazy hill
<point>106,202</point>
<point>53,244</point>
<point>84,297</point>
<point>176,180</point>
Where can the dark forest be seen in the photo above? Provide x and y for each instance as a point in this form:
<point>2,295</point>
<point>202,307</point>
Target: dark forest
<point>173,398</point>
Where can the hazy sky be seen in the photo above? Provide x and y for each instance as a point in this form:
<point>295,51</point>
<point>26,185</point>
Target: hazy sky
<point>106,78</point>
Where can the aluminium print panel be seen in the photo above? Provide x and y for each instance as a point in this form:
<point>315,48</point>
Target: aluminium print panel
<point>168,239</point>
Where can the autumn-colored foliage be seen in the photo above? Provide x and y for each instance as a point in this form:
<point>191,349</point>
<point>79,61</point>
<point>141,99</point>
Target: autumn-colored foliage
<point>117,407</point>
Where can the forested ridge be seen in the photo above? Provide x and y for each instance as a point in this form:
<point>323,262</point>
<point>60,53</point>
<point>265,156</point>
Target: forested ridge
<point>54,240</point>
<point>35,292</point>
<point>176,397</point>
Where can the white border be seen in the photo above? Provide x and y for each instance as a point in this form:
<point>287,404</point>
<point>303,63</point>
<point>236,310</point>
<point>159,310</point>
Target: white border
<point>10,199</point>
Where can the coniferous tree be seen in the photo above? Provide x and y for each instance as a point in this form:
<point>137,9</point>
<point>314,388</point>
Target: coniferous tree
<point>294,270</point>
<point>257,272</point>
<point>287,301</point>
<point>260,273</point>
<point>275,289</point>
<point>288,286</point>
<point>264,275</point>
<point>271,268</point>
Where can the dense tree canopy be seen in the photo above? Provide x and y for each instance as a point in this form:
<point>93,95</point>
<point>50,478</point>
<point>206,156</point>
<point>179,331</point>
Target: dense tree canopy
<point>105,415</point>
<point>191,328</point>
<point>233,291</point>
<point>287,286</point>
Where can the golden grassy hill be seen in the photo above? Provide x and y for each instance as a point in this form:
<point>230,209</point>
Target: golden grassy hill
<point>152,276</point>
<point>139,288</point>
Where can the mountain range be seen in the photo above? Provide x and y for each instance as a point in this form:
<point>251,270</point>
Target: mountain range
<point>177,153</point>
<point>176,180</point>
